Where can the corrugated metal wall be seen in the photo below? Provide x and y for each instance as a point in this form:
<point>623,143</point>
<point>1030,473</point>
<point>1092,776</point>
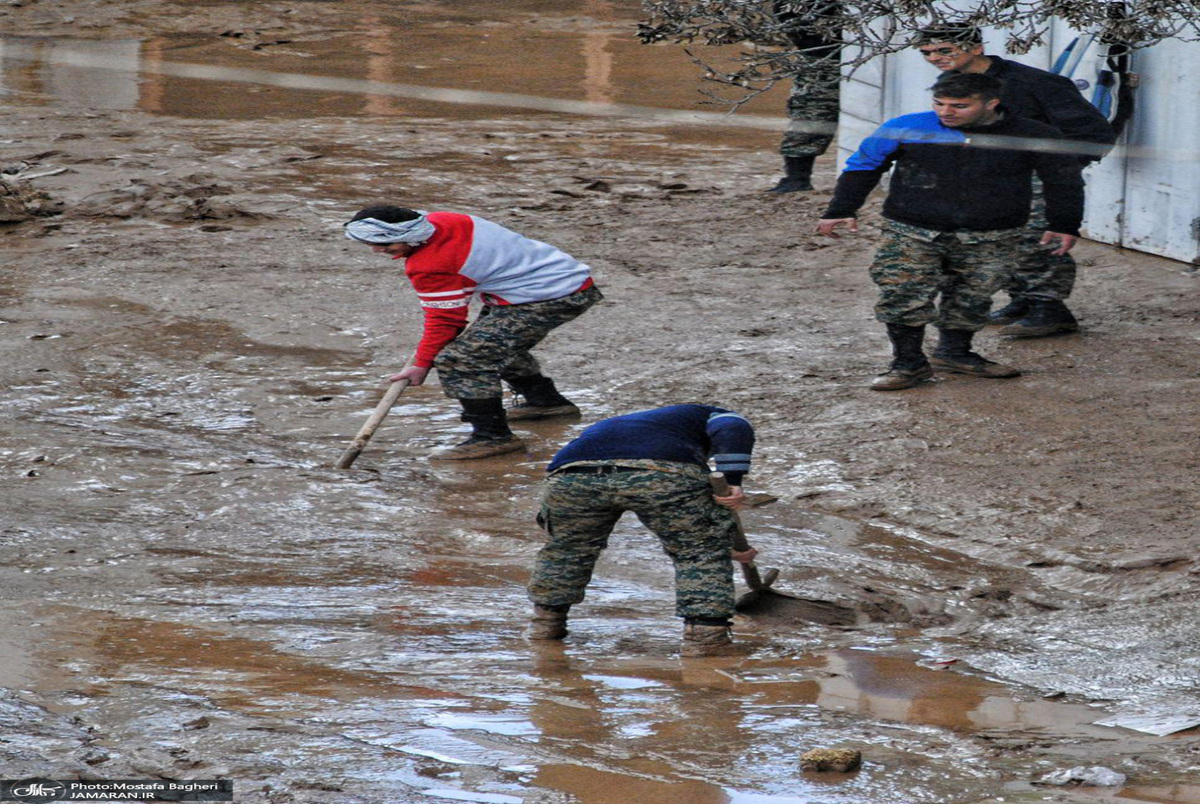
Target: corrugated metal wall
<point>1144,196</point>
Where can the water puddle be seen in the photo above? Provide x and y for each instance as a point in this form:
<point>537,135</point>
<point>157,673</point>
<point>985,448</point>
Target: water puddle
<point>577,58</point>
<point>600,729</point>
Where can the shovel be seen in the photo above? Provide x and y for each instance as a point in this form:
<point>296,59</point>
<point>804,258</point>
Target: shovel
<point>760,585</point>
<point>372,424</point>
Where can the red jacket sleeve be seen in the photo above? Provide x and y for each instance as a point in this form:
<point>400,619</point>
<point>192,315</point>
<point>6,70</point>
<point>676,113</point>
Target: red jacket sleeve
<point>445,294</point>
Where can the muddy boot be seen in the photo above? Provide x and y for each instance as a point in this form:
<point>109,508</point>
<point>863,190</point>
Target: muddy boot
<point>954,353</point>
<point>1015,310</point>
<point>909,365</point>
<point>705,637</point>
<point>540,400</point>
<point>490,435</point>
<point>1045,317</point>
<point>548,622</point>
<point>797,175</point>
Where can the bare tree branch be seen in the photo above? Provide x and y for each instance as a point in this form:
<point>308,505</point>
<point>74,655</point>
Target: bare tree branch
<point>764,31</point>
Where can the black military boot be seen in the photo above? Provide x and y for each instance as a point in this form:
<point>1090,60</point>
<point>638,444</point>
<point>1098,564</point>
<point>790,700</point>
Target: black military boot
<point>1045,317</point>
<point>540,400</point>
<point>954,353</point>
<point>1014,311</point>
<point>909,365</point>
<point>797,175</point>
<point>490,434</point>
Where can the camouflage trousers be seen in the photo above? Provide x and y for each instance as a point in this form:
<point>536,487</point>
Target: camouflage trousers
<point>1040,275</point>
<point>812,108</point>
<point>673,500</point>
<point>913,266</point>
<point>496,345</point>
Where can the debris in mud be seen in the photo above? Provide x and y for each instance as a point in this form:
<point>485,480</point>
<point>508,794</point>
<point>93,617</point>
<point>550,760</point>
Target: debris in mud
<point>1094,776</point>
<point>93,756</point>
<point>1148,724</point>
<point>836,760</point>
<point>189,198</point>
<point>35,740</point>
<point>937,663</point>
<point>782,609</point>
<point>20,202</point>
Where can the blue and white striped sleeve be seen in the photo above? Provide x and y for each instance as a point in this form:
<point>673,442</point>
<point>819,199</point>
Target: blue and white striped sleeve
<point>732,440</point>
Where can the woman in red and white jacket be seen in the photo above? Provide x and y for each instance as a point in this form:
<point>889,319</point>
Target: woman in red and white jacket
<point>528,288</point>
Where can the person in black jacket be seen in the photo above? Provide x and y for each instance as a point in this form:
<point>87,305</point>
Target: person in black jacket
<point>1042,282</point>
<point>954,219</point>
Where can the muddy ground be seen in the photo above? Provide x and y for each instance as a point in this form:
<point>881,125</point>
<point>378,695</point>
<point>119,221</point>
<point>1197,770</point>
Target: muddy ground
<point>190,591</point>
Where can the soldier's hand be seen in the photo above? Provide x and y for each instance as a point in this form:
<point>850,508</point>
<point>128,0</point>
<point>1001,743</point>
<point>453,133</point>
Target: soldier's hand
<point>1065,242</point>
<point>735,499</point>
<point>744,556</point>
<point>414,374</point>
<point>826,226</point>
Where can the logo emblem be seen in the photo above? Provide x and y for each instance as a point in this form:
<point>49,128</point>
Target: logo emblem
<point>37,791</point>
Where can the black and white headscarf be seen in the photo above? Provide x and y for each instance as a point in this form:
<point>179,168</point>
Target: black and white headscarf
<point>370,230</point>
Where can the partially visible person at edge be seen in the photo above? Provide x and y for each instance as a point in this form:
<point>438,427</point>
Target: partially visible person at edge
<point>1039,284</point>
<point>528,288</point>
<point>654,463</point>
<point>814,102</point>
<point>953,220</point>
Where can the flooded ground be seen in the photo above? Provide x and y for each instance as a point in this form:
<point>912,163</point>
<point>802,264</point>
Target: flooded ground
<point>987,572</point>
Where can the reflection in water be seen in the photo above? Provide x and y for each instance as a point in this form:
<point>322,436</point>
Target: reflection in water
<point>58,69</point>
<point>593,786</point>
<point>598,59</point>
<point>586,713</point>
<point>1172,794</point>
<point>380,66</point>
<point>595,72</point>
<point>897,689</point>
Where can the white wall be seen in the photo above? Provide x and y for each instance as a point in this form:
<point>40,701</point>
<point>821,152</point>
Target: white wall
<point>1162,167</point>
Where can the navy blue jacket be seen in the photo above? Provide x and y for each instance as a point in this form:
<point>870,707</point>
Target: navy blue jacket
<point>680,433</point>
<point>944,182</point>
<point>1048,98</point>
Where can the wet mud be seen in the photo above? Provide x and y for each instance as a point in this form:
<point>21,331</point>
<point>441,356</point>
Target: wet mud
<point>982,573</point>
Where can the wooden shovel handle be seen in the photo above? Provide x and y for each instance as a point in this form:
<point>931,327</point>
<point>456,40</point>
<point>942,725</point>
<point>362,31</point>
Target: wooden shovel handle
<point>720,487</point>
<point>372,424</point>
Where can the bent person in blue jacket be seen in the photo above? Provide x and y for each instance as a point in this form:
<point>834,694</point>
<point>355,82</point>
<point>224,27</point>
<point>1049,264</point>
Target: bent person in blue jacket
<point>954,217</point>
<point>656,464</point>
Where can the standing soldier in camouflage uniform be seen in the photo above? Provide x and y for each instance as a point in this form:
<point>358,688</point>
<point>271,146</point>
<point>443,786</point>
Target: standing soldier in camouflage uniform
<point>654,463</point>
<point>814,102</point>
<point>953,220</point>
<point>528,289</point>
<point>1039,284</point>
